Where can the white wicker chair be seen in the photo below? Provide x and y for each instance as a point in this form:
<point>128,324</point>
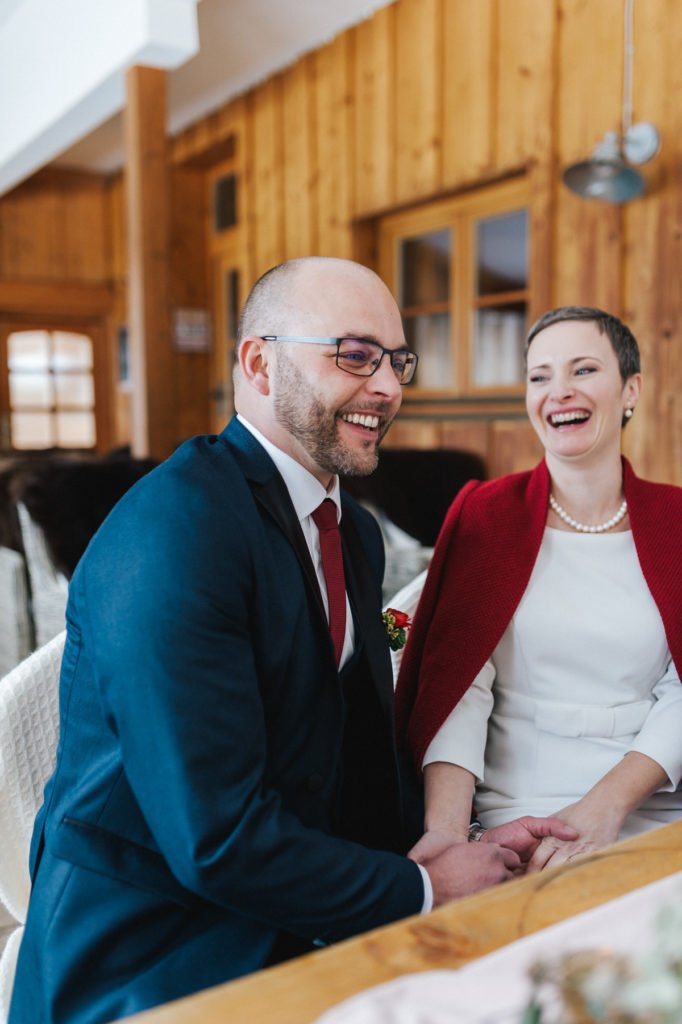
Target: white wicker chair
<point>29,726</point>
<point>49,588</point>
<point>15,623</point>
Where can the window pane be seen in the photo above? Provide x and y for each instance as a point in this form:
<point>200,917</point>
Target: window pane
<point>28,350</point>
<point>425,268</point>
<point>498,345</point>
<point>71,351</point>
<point>502,253</point>
<point>75,429</point>
<point>31,430</point>
<point>429,337</point>
<point>30,389</point>
<point>74,389</point>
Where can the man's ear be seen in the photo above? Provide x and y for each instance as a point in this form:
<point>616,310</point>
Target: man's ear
<point>254,364</point>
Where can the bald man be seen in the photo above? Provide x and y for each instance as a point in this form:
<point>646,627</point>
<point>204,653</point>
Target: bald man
<point>226,792</point>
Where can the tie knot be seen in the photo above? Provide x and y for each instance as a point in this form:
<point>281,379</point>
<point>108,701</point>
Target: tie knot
<point>324,516</point>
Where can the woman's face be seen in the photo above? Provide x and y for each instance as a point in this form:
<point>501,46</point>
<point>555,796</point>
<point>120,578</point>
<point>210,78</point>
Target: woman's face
<point>575,394</point>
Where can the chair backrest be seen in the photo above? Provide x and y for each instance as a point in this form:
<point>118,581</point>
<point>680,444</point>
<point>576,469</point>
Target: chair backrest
<point>15,621</point>
<point>49,587</point>
<point>406,600</point>
<point>29,728</point>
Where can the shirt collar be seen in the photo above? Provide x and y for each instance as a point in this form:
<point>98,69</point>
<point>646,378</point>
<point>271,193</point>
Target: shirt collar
<point>305,491</point>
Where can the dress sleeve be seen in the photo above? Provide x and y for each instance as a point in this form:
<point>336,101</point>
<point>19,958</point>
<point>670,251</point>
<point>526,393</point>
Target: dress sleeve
<point>461,739</point>
<point>660,738</point>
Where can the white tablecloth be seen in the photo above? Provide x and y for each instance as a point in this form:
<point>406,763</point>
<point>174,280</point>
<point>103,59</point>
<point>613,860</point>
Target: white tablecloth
<point>495,989</point>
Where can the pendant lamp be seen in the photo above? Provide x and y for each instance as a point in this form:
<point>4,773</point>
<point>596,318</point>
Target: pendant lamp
<point>608,174</point>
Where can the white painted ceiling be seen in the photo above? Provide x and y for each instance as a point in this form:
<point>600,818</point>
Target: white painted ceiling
<point>242,42</point>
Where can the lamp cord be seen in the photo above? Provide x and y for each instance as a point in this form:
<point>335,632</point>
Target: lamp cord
<point>627,66</point>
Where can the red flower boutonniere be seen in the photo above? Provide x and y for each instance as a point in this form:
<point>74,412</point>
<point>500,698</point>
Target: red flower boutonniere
<point>397,624</point>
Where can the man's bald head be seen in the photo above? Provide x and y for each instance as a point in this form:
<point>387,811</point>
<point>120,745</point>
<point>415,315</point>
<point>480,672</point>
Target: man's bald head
<point>272,303</point>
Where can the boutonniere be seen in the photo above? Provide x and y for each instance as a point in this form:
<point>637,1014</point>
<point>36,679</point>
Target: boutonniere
<point>397,624</point>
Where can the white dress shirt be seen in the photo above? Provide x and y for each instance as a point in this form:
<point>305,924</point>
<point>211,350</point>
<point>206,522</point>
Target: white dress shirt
<point>307,493</point>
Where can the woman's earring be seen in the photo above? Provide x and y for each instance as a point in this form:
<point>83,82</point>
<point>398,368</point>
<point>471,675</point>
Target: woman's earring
<point>628,413</point>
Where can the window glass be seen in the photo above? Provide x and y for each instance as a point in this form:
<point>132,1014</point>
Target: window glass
<point>51,390</point>
<point>31,429</point>
<point>71,351</point>
<point>30,389</point>
<point>502,253</point>
<point>75,429</point>
<point>28,350</point>
<point>429,337</point>
<point>499,336</point>
<point>74,389</point>
<point>425,268</point>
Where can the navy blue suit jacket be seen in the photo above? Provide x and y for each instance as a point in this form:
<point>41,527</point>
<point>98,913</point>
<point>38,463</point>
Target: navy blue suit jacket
<point>205,802</point>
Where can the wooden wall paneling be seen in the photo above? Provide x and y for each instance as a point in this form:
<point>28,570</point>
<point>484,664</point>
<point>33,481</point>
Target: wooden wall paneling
<point>588,253</point>
<point>524,74</point>
<point>408,432</point>
<point>53,228</point>
<point>264,177</point>
<point>147,201</point>
<point>299,164</point>
<point>83,228</point>
<point>418,83</point>
<point>468,436</point>
<point>653,229</point>
<point>188,284</point>
<point>375,112</point>
<point>468,90</point>
<point>334,146</point>
<point>514,447</point>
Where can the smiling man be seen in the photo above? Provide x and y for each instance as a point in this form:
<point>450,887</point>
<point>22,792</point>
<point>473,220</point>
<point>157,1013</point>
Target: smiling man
<point>226,792</point>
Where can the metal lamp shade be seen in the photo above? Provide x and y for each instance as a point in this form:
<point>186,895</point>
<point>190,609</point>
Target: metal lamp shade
<point>611,181</point>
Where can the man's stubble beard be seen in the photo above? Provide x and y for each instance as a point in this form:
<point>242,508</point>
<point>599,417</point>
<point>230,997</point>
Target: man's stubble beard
<point>315,426</point>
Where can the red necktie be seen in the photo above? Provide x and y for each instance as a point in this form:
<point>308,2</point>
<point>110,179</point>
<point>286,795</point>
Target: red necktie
<point>327,524</point>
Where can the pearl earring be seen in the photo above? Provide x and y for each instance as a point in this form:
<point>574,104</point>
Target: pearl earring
<point>628,413</point>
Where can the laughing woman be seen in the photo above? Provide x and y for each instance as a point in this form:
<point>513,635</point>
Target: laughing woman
<point>542,671</point>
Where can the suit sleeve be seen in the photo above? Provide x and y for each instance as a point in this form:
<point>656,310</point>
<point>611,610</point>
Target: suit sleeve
<point>168,610</point>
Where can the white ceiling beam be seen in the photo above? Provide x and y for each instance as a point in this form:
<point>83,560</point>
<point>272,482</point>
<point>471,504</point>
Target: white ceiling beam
<point>63,65</point>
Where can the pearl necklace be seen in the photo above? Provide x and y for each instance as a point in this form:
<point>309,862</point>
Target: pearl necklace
<point>602,528</point>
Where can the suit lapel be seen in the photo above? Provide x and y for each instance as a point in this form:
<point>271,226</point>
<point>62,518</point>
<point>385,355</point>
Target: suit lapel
<point>369,629</point>
<point>270,491</point>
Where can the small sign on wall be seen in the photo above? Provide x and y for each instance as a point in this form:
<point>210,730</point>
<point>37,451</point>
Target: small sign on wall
<point>191,330</point>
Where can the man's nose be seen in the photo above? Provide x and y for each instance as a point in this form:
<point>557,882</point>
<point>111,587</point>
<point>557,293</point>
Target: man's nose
<point>384,380</point>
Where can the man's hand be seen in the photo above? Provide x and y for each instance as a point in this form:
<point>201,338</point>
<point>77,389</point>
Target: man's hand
<point>524,835</point>
<point>459,868</point>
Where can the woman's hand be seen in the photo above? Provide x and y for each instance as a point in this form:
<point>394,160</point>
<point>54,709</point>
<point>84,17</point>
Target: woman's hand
<point>597,827</point>
<point>600,814</point>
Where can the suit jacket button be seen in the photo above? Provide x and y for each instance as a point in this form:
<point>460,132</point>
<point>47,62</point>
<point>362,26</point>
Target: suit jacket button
<point>314,783</point>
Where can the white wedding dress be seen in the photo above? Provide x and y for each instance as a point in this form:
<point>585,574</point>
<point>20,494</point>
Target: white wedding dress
<point>582,676</point>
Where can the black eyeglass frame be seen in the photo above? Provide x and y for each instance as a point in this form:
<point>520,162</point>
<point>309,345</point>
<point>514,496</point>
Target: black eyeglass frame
<point>411,360</point>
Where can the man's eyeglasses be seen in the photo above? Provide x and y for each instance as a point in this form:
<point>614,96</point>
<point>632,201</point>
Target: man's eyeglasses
<point>359,356</point>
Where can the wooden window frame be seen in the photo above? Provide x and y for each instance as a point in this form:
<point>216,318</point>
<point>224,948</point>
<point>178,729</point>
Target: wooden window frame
<point>95,332</point>
<point>459,214</point>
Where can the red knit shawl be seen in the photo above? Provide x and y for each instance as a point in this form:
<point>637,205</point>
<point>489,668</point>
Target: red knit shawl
<point>483,561</point>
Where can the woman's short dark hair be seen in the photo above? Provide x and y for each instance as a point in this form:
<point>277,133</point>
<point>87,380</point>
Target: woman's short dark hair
<point>622,339</point>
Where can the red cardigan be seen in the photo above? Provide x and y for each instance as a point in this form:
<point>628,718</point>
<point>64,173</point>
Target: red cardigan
<point>480,569</point>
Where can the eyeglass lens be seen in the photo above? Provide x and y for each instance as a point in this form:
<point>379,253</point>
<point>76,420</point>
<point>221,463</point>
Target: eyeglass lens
<point>363,358</point>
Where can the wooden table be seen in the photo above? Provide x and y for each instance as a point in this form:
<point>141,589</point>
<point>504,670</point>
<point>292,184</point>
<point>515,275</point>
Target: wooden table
<point>299,991</point>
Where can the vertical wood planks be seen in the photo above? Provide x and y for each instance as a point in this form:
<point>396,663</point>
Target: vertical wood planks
<point>375,112</point>
<point>298,161</point>
<point>418,77</point>
<point>264,177</point>
<point>469,68</point>
<point>334,147</point>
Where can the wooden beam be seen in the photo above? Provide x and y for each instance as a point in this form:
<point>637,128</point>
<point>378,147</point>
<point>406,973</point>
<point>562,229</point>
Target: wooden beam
<point>151,355</point>
<point>29,298</point>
